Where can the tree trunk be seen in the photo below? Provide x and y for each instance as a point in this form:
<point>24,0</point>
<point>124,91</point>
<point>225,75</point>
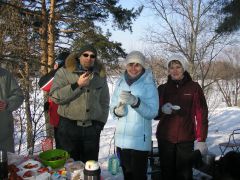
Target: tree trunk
<point>43,39</point>
<point>27,84</point>
<point>51,34</point>
<point>51,55</point>
<point>45,53</point>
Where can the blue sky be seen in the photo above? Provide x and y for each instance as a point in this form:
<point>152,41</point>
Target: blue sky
<point>132,41</point>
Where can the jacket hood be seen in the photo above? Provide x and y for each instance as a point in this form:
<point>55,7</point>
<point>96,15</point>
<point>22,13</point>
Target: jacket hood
<point>72,62</point>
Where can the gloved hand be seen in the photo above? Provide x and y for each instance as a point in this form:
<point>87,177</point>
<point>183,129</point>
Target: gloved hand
<point>127,98</point>
<point>202,147</point>
<point>167,108</point>
<point>120,110</point>
<point>46,106</point>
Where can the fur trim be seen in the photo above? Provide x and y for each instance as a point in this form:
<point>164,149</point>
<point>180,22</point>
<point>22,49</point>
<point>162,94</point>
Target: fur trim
<point>101,68</point>
<point>72,60</point>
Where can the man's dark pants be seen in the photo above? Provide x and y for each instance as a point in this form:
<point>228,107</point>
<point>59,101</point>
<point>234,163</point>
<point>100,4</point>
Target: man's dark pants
<point>82,143</point>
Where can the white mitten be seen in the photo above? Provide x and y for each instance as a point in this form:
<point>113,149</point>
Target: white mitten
<point>202,147</point>
<point>120,110</point>
<point>167,108</point>
<point>127,98</point>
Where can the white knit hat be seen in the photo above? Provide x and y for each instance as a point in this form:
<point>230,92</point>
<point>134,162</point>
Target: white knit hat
<point>136,57</point>
<point>179,58</point>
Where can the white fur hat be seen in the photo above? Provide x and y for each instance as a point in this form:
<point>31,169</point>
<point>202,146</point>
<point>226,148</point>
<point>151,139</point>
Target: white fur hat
<point>136,57</point>
<point>180,58</point>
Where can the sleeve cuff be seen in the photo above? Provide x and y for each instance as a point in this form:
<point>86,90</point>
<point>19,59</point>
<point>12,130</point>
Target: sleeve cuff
<point>74,86</point>
<point>136,105</point>
<point>200,140</point>
<point>116,113</point>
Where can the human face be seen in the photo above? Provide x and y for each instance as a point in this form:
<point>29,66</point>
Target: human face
<point>55,66</point>
<point>87,59</point>
<point>175,70</point>
<point>134,69</point>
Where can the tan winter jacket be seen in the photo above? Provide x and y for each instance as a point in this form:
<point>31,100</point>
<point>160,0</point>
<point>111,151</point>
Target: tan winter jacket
<point>82,104</point>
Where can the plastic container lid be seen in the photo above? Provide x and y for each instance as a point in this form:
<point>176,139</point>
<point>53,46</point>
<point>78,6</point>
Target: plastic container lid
<point>91,165</point>
<point>176,107</point>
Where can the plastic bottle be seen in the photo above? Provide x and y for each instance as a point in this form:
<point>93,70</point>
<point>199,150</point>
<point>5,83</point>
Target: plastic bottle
<point>115,166</point>
<point>110,164</point>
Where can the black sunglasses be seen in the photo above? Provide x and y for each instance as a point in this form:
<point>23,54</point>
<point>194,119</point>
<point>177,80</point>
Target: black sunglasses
<point>87,55</point>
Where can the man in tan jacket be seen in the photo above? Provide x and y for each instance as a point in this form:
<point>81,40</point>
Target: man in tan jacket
<point>81,91</point>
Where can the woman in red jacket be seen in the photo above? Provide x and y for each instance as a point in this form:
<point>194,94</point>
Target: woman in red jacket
<point>183,119</point>
<point>45,84</point>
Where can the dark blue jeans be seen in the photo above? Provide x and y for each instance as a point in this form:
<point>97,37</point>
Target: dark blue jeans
<point>82,143</point>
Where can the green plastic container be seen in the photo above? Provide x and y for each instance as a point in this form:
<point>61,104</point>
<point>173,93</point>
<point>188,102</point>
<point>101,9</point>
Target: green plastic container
<point>55,158</point>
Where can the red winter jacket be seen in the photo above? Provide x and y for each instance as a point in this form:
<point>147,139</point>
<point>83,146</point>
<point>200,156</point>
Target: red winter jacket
<point>45,85</point>
<point>191,121</point>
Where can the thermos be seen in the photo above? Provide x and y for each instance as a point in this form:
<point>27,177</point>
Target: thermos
<point>3,165</point>
<point>92,170</point>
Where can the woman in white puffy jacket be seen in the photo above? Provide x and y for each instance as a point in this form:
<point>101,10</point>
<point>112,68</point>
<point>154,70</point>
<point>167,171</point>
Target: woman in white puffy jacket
<point>134,103</point>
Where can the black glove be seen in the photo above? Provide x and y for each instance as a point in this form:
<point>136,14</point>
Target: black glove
<point>46,106</point>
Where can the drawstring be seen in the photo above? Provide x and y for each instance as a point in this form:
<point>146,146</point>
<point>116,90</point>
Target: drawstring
<point>112,139</point>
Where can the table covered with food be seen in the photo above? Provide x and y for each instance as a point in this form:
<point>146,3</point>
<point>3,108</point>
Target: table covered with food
<point>49,165</point>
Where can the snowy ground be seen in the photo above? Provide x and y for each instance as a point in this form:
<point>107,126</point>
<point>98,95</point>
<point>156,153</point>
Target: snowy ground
<point>221,123</point>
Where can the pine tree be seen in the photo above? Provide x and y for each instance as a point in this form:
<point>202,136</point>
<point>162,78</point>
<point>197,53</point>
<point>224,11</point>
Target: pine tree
<point>231,21</point>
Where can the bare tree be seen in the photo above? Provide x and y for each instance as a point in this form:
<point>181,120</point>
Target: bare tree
<point>228,76</point>
<point>28,134</point>
<point>157,64</point>
<point>187,27</point>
